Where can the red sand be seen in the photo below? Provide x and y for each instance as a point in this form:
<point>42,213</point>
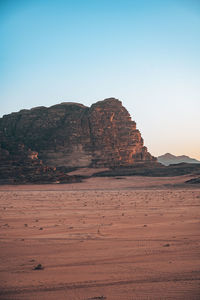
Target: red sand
<point>105,238</point>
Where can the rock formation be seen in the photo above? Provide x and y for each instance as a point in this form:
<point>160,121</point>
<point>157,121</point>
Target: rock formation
<point>115,139</point>
<point>73,135</point>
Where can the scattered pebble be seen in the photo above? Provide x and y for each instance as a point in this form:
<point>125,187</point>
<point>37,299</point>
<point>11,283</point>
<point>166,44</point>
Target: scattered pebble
<point>39,267</point>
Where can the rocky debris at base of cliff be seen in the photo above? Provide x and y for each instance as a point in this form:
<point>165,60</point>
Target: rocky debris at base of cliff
<point>41,144</point>
<point>152,170</point>
<point>23,166</point>
<point>195,180</point>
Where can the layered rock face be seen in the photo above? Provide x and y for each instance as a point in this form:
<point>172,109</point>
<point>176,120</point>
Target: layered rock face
<point>73,135</point>
<point>115,139</point>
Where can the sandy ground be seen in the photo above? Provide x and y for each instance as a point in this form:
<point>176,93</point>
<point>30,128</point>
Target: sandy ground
<point>105,238</point>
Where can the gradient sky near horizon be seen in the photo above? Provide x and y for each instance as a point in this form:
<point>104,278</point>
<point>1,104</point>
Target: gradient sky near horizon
<point>144,52</point>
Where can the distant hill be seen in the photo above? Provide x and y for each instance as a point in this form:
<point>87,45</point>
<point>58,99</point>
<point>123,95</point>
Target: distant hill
<point>169,159</point>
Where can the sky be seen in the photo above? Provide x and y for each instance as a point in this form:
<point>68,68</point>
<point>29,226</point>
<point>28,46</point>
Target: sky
<point>144,52</point>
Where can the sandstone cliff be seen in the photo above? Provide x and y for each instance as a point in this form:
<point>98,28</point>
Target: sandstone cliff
<point>73,135</point>
<point>115,139</point>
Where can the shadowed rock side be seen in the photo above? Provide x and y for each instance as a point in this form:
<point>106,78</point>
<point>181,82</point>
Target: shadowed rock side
<point>154,170</point>
<point>23,166</point>
<point>73,135</point>
<point>195,180</point>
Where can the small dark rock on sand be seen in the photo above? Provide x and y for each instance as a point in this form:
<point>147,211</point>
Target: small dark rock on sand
<point>97,298</point>
<point>39,267</point>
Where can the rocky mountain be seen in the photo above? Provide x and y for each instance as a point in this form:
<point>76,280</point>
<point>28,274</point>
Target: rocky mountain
<point>168,159</point>
<point>71,135</point>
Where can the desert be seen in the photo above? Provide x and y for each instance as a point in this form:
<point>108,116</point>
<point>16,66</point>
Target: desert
<point>99,150</point>
<point>103,238</point>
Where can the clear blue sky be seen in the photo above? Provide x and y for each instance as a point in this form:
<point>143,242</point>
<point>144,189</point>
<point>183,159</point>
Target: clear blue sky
<point>144,52</point>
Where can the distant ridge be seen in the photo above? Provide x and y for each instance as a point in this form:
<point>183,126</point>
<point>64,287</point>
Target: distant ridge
<point>169,159</point>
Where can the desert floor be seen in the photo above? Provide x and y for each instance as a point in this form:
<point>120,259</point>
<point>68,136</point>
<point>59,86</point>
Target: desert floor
<point>104,238</point>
